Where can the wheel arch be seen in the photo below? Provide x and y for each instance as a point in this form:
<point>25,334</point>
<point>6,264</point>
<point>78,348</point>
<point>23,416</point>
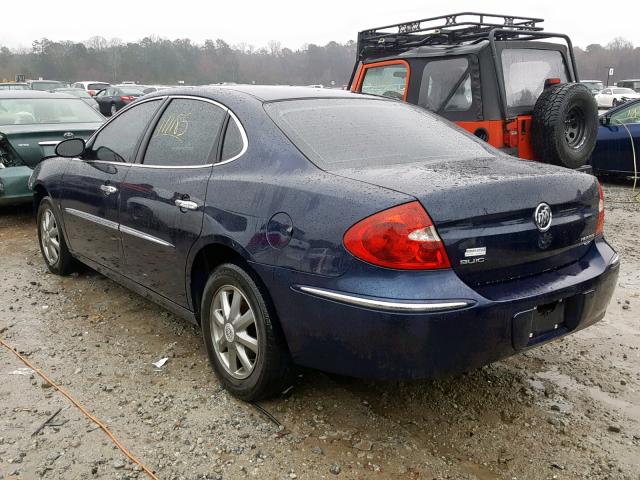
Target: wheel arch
<point>206,258</point>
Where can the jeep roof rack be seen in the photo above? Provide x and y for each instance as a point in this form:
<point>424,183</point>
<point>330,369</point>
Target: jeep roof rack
<point>452,29</point>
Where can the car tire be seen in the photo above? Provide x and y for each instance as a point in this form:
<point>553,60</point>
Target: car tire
<point>113,109</point>
<point>614,103</point>
<point>564,125</point>
<point>53,245</point>
<point>244,343</point>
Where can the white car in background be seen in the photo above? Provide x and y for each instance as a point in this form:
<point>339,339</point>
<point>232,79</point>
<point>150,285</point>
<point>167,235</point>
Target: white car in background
<point>91,87</point>
<point>614,96</point>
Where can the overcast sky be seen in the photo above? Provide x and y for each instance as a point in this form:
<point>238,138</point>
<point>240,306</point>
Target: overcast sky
<point>293,23</point>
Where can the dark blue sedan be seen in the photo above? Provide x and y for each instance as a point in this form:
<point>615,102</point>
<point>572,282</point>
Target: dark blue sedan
<point>338,231</point>
<point>617,150</point>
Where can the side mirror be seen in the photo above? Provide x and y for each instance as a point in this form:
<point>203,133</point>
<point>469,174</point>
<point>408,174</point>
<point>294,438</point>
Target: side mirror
<point>73,147</point>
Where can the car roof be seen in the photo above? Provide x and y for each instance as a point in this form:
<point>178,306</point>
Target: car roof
<point>33,94</point>
<point>263,93</point>
<point>630,80</point>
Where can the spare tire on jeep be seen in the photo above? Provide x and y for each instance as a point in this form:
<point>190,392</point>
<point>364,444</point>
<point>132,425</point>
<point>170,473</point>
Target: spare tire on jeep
<point>564,125</point>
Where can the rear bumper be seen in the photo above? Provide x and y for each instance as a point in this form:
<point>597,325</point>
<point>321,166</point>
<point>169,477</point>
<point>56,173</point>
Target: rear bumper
<point>484,325</point>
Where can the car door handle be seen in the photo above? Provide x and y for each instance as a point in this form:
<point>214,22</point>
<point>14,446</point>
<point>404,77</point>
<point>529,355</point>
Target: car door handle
<point>186,204</point>
<point>108,189</point>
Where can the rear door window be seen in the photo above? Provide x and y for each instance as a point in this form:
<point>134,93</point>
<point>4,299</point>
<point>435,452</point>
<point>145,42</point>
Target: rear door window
<point>386,81</point>
<point>185,134</point>
<point>525,71</point>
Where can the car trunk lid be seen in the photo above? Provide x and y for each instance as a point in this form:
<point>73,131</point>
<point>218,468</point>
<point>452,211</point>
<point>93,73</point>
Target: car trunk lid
<point>484,209</point>
<point>32,142</point>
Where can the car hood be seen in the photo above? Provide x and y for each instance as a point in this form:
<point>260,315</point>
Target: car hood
<point>32,142</point>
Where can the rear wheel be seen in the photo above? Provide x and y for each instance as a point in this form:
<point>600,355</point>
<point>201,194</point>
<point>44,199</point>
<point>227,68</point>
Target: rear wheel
<point>565,125</point>
<point>113,109</point>
<point>51,238</point>
<point>614,103</point>
<point>243,342</point>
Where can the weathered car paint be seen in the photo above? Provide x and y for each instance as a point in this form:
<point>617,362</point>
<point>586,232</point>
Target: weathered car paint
<point>273,177</point>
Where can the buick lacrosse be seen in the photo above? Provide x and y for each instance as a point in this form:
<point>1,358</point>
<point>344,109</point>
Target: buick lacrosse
<point>344,232</point>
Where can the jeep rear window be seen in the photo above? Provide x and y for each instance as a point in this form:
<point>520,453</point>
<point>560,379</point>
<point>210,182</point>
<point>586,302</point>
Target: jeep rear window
<point>355,133</point>
<point>525,71</point>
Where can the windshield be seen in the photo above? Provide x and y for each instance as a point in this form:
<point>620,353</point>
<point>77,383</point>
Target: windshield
<point>346,133</point>
<point>13,86</point>
<point>620,91</point>
<point>31,111</point>
<point>525,71</point>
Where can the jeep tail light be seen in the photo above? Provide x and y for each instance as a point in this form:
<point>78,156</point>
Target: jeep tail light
<point>549,82</point>
<point>401,237</point>
<point>600,224</point>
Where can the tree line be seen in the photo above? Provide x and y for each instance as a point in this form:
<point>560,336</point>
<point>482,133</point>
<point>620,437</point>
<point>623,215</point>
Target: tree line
<point>155,60</point>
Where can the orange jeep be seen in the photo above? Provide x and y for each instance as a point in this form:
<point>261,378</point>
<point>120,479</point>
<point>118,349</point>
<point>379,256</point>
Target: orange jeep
<point>493,75</point>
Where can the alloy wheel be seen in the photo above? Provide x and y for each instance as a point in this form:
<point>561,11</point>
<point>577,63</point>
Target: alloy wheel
<point>50,237</point>
<point>234,332</point>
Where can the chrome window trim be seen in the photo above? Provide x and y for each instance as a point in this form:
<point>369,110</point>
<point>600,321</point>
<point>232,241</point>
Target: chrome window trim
<point>387,305</point>
<point>243,133</point>
<point>145,236</point>
<point>92,218</point>
<point>51,143</point>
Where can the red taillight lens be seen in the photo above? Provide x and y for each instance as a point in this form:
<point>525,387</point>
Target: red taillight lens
<point>401,237</point>
<point>550,82</point>
<point>91,92</point>
<point>126,98</point>
<point>600,224</point>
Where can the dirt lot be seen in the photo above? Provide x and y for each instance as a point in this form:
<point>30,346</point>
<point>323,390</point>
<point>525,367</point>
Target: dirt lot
<point>570,409</point>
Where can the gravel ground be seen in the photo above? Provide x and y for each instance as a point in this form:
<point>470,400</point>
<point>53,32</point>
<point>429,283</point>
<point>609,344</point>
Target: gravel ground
<point>569,409</point>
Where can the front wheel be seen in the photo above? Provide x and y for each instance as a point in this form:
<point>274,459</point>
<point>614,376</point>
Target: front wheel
<point>614,103</point>
<point>245,346</point>
<point>51,238</point>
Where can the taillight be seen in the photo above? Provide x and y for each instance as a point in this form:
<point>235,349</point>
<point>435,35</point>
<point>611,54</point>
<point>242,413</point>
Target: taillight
<point>126,98</point>
<point>600,224</point>
<point>91,92</point>
<point>401,237</point>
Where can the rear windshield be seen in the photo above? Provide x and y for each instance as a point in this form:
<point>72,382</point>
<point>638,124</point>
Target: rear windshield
<point>29,111</point>
<point>348,133</point>
<point>97,86</point>
<point>525,71</point>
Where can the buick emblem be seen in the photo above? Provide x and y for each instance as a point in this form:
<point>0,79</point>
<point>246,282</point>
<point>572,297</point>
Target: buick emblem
<point>542,217</point>
<point>68,135</point>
